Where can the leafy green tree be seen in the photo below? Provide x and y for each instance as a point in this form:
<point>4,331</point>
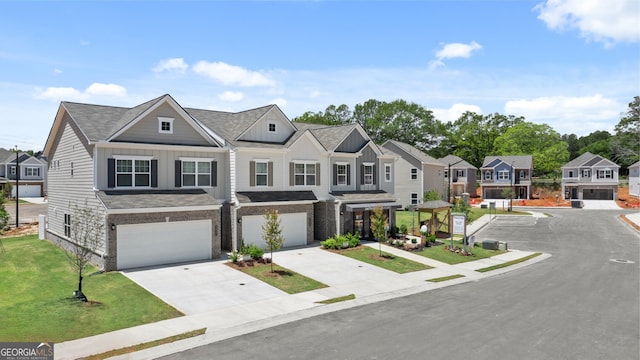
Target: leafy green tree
<point>472,136</point>
<point>378,225</point>
<point>539,140</point>
<point>626,145</point>
<point>431,195</point>
<point>331,116</point>
<point>573,146</point>
<point>87,232</point>
<point>272,232</point>
<point>4,215</point>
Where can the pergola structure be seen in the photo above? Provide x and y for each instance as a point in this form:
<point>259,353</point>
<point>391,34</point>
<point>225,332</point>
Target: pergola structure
<point>434,207</point>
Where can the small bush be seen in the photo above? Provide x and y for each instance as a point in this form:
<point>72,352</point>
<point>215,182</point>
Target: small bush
<point>255,252</point>
<point>330,243</point>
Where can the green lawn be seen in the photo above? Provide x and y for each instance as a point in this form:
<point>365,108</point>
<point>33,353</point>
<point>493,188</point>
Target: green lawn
<point>410,218</point>
<point>282,278</point>
<point>387,261</point>
<point>446,256</point>
<point>36,301</point>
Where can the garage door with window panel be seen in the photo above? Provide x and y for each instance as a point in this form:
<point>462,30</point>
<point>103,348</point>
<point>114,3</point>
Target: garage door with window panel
<point>294,229</point>
<point>27,191</point>
<point>140,245</point>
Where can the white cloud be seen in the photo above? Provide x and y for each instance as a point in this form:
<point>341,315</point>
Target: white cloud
<point>454,112</point>
<point>568,115</point>
<point>72,94</point>
<point>282,103</point>
<point>106,89</point>
<point>603,21</point>
<point>454,50</point>
<point>57,71</point>
<point>231,96</point>
<point>173,65</point>
<point>231,74</point>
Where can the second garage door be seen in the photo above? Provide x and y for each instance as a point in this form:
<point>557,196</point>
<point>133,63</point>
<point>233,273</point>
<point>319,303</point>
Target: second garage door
<point>163,243</point>
<point>294,229</point>
<point>597,194</point>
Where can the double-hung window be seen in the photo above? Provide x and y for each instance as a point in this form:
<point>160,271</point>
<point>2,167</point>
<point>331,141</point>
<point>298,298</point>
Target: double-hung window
<point>341,174</point>
<point>367,174</point>
<point>586,173</point>
<point>67,225</point>
<point>605,174</point>
<point>487,175</point>
<point>387,172</point>
<point>304,174</point>
<point>503,175</point>
<point>133,172</point>
<point>414,174</point>
<point>262,173</point>
<point>414,199</point>
<point>459,173</point>
<point>32,171</point>
<point>196,173</point>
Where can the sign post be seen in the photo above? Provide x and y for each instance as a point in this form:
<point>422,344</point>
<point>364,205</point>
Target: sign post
<point>459,227</point>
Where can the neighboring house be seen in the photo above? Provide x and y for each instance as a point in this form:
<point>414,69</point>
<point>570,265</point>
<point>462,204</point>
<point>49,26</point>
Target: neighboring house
<point>416,173</point>
<point>503,172</point>
<point>32,174</point>
<point>590,177</point>
<point>177,184</point>
<point>464,178</point>
<point>634,179</point>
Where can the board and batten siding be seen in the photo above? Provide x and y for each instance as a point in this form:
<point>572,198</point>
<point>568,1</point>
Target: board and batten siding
<point>368,156</point>
<point>354,142</point>
<point>260,130</point>
<point>146,130</point>
<point>166,162</point>
<point>62,186</point>
<point>277,168</point>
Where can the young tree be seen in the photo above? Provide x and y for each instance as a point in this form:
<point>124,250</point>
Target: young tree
<point>4,215</point>
<point>87,231</point>
<point>378,225</point>
<point>272,232</point>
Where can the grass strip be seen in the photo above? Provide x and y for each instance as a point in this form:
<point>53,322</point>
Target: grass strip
<point>147,345</point>
<point>445,278</point>
<point>337,299</point>
<point>386,261</point>
<point>508,263</point>
<point>440,254</point>
<point>282,278</point>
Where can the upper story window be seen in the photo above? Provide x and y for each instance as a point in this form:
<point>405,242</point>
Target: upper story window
<point>196,173</point>
<point>304,174</point>
<point>341,174</point>
<point>586,173</point>
<point>570,174</point>
<point>605,174</point>
<point>165,125</point>
<point>13,170</point>
<point>133,173</point>
<point>262,173</point>
<point>367,170</point>
<point>487,175</point>
<point>32,171</point>
<point>387,172</point>
<point>272,127</point>
<point>414,174</point>
<point>522,174</point>
<point>503,175</point>
<point>460,173</point>
<point>446,174</point>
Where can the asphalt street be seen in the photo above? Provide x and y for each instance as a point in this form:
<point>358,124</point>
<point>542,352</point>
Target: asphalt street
<point>582,303</point>
<point>28,213</point>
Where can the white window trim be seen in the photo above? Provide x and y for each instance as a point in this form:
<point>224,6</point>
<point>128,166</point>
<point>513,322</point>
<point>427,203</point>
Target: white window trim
<point>411,198</point>
<point>163,120</point>
<point>196,160</point>
<point>412,172</point>
<point>387,173</point>
<point>338,175</point>
<point>133,159</point>
<point>275,127</point>
<point>368,178</point>
<point>266,174</point>
<point>31,169</point>
<point>501,173</point>
<point>305,163</point>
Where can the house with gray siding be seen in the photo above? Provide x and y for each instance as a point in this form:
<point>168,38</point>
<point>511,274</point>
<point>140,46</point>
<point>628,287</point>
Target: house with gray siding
<point>416,173</point>
<point>506,172</point>
<point>31,173</point>
<point>463,178</point>
<point>590,177</point>
<point>175,184</point>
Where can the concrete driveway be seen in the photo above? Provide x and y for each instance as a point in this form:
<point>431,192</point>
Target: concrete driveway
<point>600,205</point>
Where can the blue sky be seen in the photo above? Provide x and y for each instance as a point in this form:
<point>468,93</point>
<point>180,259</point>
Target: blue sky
<point>572,64</point>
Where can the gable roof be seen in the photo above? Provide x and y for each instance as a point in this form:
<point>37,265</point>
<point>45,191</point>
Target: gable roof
<point>588,160</point>
<point>518,161</point>
<point>331,136</point>
<point>635,164</point>
<point>456,162</point>
<point>412,151</point>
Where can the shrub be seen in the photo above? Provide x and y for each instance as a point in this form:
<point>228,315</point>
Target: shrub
<point>403,229</point>
<point>330,243</point>
<point>255,252</point>
<point>353,239</point>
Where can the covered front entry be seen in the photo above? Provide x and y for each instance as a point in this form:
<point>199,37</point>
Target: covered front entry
<point>294,229</point>
<point>357,217</point>
<point>150,244</point>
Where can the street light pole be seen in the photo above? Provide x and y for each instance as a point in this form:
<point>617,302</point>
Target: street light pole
<point>17,185</point>
<point>513,190</point>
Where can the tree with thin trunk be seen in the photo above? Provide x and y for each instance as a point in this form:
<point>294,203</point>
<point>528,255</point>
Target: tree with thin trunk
<point>378,225</point>
<point>87,232</point>
<point>4,215</point>
<point>272,232</point>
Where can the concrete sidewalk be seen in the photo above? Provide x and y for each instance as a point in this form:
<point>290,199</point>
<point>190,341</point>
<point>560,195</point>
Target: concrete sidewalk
<point>238,304</point>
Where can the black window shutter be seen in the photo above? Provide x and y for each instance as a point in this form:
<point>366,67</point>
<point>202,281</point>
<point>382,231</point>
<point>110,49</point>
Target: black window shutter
<point>178,172</point>
<point>291,174</point>
<point>214,173</point>
<point>154,173</point>
<point>111,173</point>
<point>252,173</point>
<point>348,174</point>
<point>375,174</point>
<point>270,173</point>
<point>317,174</point>
<point>335,174</point>
<point>361,174</point>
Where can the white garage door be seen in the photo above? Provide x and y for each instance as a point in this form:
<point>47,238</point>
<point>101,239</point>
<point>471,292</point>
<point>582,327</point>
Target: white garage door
<point>163,243</point>
<point>294,229</point>
<point>27,191</point>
